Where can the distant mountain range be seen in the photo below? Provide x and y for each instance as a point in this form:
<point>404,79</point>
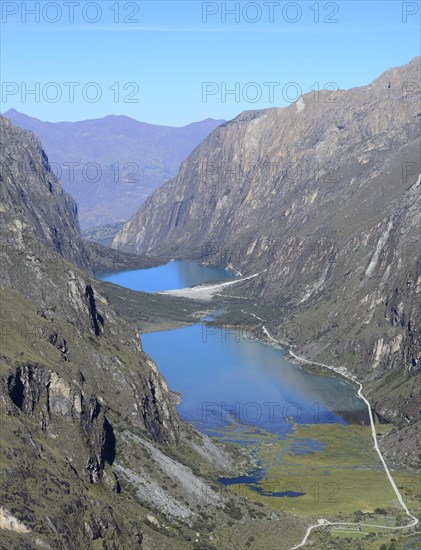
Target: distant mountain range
<point>110,165</point>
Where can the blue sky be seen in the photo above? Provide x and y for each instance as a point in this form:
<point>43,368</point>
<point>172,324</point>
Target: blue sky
<point>169,62</point>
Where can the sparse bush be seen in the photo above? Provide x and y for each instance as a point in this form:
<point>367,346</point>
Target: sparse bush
<point>234,512</point>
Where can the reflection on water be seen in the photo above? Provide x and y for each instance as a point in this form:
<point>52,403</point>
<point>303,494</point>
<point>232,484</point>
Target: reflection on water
<point>254,479</point>
<point>170,276</point>
<point>192,273</point>
<point>234,387</point>
<point>225,379</point>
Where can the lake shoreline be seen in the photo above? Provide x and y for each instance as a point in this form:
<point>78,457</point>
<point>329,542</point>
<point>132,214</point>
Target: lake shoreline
<point>269,447</point>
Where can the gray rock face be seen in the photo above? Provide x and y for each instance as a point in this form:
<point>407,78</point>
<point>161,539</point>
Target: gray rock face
<point>265,173</point>
<point>37,391</point>
<point>323,198</point>
<point>32,199</point>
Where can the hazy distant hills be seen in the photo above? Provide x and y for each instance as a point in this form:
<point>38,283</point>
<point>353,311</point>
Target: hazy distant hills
<point>110,165</point>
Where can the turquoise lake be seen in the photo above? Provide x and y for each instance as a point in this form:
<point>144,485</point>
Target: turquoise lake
<point>227,377</point>
<point>166,277</point>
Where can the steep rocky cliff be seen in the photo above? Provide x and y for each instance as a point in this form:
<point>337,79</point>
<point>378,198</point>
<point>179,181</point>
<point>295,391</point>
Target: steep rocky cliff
<point>93,452</point>
<point>32,196</point>
<point>322,198</point>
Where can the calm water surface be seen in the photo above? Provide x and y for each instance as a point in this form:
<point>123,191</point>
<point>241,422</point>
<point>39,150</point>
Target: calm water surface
<point>166,277</point>
<point>226,379</point>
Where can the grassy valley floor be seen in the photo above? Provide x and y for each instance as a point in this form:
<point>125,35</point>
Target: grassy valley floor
<point>343,481</point>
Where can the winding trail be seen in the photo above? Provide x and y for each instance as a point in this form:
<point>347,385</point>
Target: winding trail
<point>324,522</point>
